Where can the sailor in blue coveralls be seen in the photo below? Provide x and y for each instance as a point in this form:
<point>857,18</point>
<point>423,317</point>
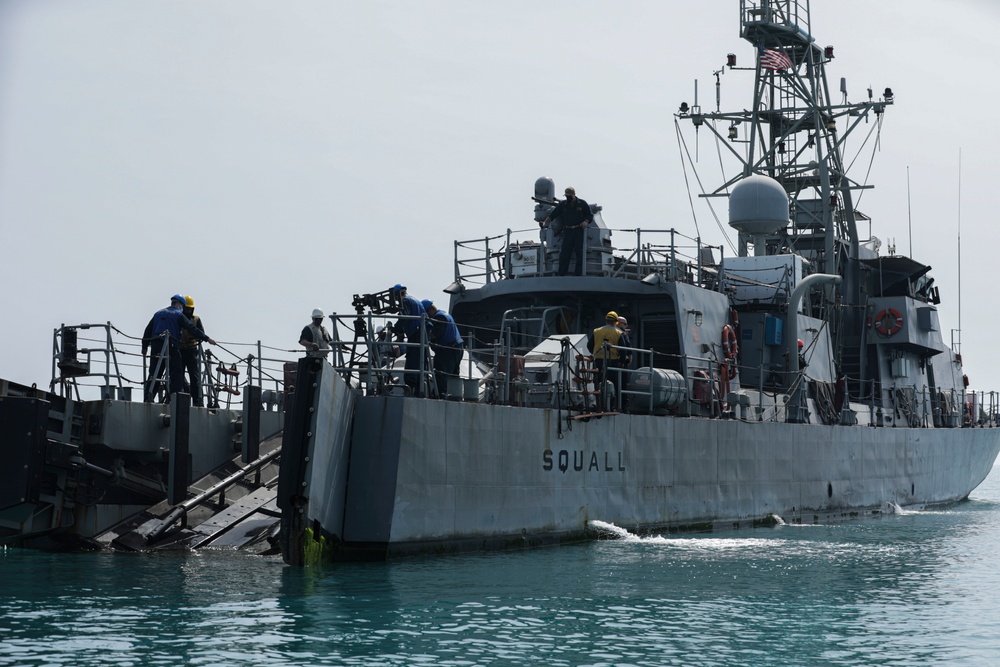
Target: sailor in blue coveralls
<point>165,329</point>
<point>411,329</point>
<point>447,344</point>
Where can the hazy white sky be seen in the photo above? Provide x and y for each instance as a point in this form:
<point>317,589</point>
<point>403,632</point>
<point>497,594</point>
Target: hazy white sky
<point>268,158</point>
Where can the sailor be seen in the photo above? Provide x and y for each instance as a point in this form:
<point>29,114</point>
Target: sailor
<point>315,338</point>
<point>163,336</point>
<point>190,354</point>
<point>407,325</point>
<point>446,342</point>
<point>625,341</point>
<point>574,215</point>
<point>612,335</point>
<point>802,358</point>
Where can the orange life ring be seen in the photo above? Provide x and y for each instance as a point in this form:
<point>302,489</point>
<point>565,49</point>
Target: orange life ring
<point>729,345</point>
<point>888,322</point>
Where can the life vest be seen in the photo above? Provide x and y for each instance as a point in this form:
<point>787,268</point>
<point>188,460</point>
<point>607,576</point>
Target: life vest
<point>321,338</point>
<point>188,341</point>
<point>608,333</point>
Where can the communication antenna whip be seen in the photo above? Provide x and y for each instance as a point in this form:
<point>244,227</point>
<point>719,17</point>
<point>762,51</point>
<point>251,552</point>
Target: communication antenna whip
<point>960,250</point>
<point>909,209</point>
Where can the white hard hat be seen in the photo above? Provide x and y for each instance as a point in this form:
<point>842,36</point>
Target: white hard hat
<point>317,313</point>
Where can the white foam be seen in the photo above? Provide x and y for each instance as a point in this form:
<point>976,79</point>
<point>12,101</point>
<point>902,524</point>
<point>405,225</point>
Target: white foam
<point>688,543</point>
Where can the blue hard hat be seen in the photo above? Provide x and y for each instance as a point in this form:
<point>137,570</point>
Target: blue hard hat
<point>426,303</point>
<point>178,297</point>
<point>398,288</point>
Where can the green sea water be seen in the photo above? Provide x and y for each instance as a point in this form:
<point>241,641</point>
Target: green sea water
<point>911,588</point>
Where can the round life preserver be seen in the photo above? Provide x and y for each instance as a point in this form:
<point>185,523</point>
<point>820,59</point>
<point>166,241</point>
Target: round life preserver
<point>888,322</point>
<point>729,345</point>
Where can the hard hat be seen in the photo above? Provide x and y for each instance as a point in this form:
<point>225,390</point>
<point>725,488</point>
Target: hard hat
<point>317,314</point>
<point>189,302</point>
<point>622,320</point>
<point>398,288</point>
<point>178,298</point>
<point>612,315</point>
<point>426,303</point>
<point>801,343</point>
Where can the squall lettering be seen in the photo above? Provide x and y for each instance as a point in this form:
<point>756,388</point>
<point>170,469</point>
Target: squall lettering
<point>561,460</point>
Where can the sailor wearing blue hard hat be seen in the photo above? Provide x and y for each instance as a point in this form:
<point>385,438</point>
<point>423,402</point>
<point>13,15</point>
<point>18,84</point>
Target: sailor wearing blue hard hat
<point>163,337</point>
<point>408,324</point>
<point>447,344</point>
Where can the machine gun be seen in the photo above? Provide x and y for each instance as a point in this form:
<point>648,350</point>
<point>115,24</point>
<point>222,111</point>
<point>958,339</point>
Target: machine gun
<point>378,303</point>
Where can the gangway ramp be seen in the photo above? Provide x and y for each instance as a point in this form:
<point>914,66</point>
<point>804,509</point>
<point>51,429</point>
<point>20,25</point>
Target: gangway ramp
<point>233,507</point>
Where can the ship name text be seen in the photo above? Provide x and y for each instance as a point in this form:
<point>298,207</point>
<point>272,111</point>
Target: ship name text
<point>578,461</point>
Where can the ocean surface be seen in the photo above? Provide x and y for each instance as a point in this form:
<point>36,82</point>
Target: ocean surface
<point>910,588</point>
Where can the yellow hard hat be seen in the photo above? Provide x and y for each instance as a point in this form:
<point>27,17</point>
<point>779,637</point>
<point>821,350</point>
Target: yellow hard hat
<point>189,302</point>
<point>612,315</point>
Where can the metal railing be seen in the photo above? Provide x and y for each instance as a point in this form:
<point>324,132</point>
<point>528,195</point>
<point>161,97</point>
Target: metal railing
<point>491,259</point>
<point>112,366</point>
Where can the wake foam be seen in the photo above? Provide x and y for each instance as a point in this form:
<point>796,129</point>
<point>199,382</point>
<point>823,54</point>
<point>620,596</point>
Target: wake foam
<point>701,543</point>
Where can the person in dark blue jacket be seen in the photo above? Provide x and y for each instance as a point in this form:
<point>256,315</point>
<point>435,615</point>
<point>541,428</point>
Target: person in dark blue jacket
<point>446,342</point>
<point>163,338</point>
<point>574,215</point>
<point>409,326</point>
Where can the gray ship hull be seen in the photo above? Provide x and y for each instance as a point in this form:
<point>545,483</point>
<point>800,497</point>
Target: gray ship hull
<point>409,475</point>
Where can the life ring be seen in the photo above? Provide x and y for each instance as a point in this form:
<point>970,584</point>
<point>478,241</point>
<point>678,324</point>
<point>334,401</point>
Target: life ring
<point>888,322</point>
<point>731,349</point>
<point>729,345</point>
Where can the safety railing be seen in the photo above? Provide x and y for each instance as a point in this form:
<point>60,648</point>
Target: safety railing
<point>118,366</point>
<point>652,256</point>
<point>711,385</point>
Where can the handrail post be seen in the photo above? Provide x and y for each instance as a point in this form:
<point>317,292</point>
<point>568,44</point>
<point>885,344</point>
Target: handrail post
<point>486,264</point>
<point>507,253</point>
<point>673,256</point>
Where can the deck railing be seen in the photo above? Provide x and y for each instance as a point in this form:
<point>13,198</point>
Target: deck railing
<point>651,255</point>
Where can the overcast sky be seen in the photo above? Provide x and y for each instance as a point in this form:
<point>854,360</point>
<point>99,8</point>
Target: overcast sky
<point>268,158</point>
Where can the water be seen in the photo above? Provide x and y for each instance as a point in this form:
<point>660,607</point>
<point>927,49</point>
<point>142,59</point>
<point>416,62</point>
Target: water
<point>913,588</point>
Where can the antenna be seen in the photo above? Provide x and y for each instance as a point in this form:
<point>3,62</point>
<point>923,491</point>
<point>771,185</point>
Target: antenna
<point>909,209</point>
<point>959,250</point>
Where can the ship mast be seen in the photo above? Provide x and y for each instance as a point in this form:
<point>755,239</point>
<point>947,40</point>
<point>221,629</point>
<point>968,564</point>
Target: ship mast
<point>795,133</point>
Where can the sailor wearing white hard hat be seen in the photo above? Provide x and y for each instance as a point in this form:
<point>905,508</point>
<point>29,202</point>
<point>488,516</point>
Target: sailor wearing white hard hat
<point>315,338</point>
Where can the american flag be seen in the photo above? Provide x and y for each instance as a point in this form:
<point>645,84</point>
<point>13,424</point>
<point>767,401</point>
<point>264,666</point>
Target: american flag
<point>774,60</point>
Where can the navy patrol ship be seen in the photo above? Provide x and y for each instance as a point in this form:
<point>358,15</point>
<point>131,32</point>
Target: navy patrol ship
<point>800,378</point>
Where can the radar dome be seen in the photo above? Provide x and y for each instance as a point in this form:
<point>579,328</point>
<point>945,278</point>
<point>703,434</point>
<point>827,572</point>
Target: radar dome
<point>545,188</point>
<point>758,206</point>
